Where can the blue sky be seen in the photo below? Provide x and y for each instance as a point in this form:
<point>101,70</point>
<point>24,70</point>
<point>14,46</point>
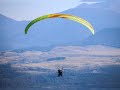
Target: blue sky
<point>30,9</point>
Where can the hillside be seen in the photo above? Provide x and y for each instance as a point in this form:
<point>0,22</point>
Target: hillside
<point>108,37</point>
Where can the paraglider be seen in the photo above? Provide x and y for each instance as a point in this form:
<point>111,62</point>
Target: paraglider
<point>67,16</point>
<point>60,72</point>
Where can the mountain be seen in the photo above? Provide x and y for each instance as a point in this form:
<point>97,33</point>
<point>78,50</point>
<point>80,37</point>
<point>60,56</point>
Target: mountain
<point>54,32</point>
<point>10,32</point>
<point>108,37</point>
<point>100,18</point>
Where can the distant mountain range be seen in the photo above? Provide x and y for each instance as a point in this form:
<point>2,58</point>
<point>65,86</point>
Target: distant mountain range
<point>56,32</point>
<point>107,37</point>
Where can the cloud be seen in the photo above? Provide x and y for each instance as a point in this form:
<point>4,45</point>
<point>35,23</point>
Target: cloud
<point>113,5</point>
<point>30,9</point>
<point>89,2</point>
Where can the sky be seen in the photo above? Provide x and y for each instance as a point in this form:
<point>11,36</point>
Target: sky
<point>31,9</point>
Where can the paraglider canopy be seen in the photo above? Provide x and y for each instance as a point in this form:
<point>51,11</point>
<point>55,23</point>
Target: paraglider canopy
<point>67,16</point>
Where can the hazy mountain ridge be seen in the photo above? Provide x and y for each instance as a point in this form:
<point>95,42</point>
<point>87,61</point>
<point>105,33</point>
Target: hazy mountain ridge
<point>107,37</point>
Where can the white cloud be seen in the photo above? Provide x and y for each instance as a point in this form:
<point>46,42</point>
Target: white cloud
<point>86,2</point>
<point>113,5</point>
